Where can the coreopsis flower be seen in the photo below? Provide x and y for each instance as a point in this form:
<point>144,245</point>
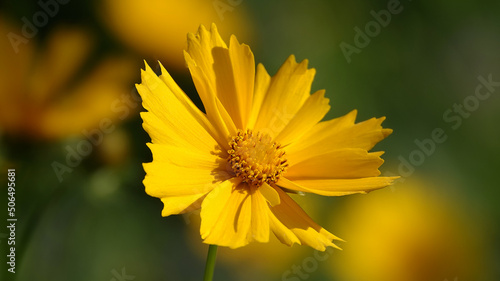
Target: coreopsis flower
<point>260,138</point>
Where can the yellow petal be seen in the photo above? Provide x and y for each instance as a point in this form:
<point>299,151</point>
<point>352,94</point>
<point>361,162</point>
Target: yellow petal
<point>234,70</point>
<point>176,171</point>
<point>229,72</point>
<point>165,179</point>
<point>313,110</point>
<point>292,225</point>
<point>319,133</point>
<point>337,134</point>
<point>287,92</point>
<point>160,133</point>
<point>262,82</point>
<point>270,194</point>
<point>190,106</point>
<point>174,205</point>
<point>199,48</point>
<point>243,66</point>
<point>283,233</point>
<point>336,187</point>
<point>344,163</point>
<point>216,112</point>
<point>233,215</point>
<point>171,116</point>
<point>213,206</point>
<point>260,229</point>
<point>164,153</point>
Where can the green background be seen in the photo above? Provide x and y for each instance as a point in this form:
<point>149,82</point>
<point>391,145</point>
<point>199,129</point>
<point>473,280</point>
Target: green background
<point>427,59</point>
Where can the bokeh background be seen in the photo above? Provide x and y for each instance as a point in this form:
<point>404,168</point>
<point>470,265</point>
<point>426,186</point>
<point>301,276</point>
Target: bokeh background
<point>70,126</point>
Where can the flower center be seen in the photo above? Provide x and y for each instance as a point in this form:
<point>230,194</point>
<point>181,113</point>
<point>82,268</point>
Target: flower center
<point>255,158</point>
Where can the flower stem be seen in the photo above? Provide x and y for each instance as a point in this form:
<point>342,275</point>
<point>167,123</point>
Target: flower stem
<point>210,266</point>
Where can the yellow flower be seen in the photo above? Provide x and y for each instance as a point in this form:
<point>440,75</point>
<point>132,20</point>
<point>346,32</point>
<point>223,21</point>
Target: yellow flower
<point>260,138</point>
<point>157,28</point>
<point>412,234</point>
<point>43,96</point>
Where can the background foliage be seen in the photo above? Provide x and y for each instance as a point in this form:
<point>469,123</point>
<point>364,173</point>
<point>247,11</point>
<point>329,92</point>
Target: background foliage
<point>96,222</point>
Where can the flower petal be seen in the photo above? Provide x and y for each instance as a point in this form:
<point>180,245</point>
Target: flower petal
<point>336,187</point>
<point>235,73</point>
<point>165,179</point>
<point>162,133</point>
<point>262,82</point>
<point>174,205</point>
<point>270,194</point>
<point>243,65</point>
<point>344,163</point>
<point>229,72</point>
<point>200,47</point>
<point>287,92</point>
<point>176,171</point>
<point>216,112</point>
<point>313,110</point>
<point>190,106</point>
<point>337,134</point>
<point>233,216</point>
<point>260,228</point>
<point>164,153</point>
<point>292,225</point>
<point>169,118</point>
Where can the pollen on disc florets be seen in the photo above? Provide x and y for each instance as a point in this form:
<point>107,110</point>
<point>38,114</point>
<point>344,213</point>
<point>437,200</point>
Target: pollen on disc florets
<point>255,158</point>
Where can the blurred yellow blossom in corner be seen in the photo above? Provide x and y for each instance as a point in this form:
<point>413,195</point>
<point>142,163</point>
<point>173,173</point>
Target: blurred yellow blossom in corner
<point>43,94</point>
<point>158,28</point>
<point>409,234</point>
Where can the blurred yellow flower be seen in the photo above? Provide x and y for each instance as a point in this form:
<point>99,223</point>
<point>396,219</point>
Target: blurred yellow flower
<point>41,95</point>
<point>411,234</point>
<point>158,28</point>
<point>261,137</point>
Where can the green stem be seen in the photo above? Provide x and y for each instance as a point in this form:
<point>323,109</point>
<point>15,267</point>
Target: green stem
<point>210,266</point>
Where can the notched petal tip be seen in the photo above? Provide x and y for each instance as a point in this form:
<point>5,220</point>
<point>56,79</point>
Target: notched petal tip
<point>324,100</point>
<point>191,37</point>
<point>333,245</point>
<point>300,67</point>
<point>234,43</point>
<point>202,30</point>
